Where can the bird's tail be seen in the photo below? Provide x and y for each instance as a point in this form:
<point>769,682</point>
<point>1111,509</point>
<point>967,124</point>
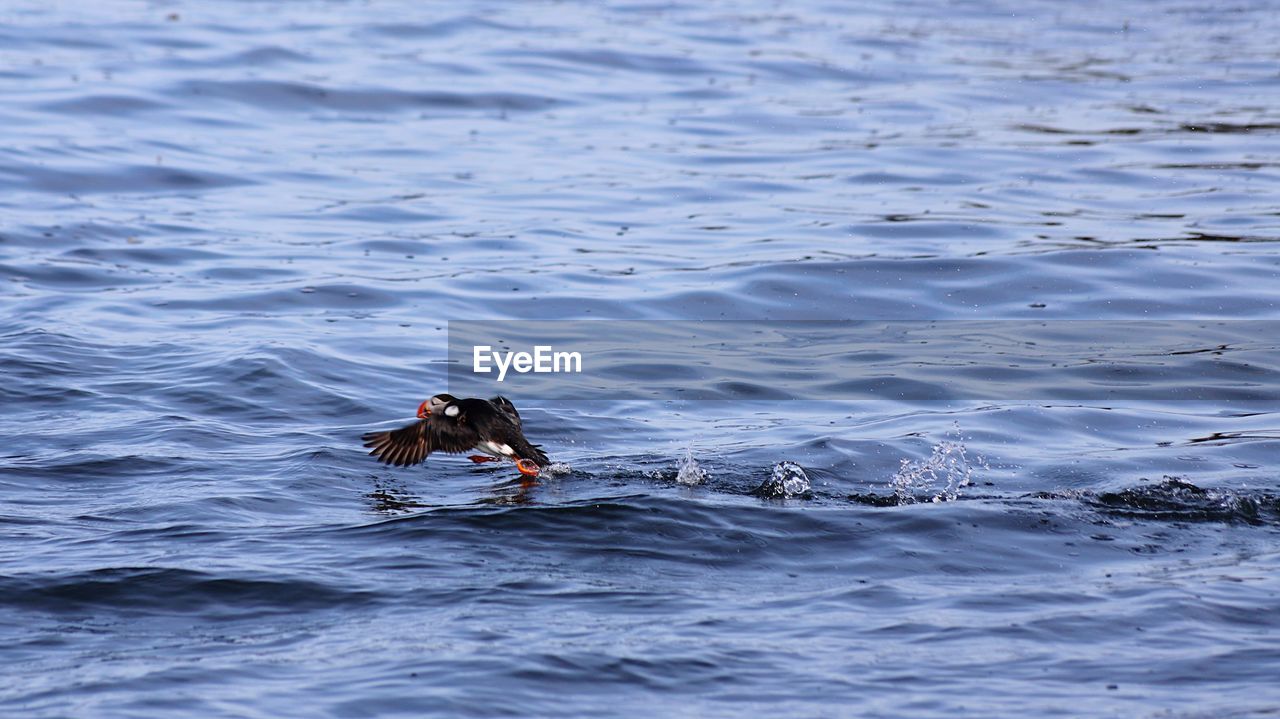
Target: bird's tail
<point>532,452</point>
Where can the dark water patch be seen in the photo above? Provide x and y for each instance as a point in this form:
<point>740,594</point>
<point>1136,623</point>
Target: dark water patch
<point>658,529</point>
<point>592,61</point>
<point>808,70</point>
<point>1220,438</point>
<point>179,532</point>
<point>1207,237</point>
<point>298,96</point>
<point>168,256</point>
<point>460,25</point>
<point>1177,500</point>
<point>1051,130</point>
<point>71,276</point>
<point>40,354</point>
<point>385,214</point>
<point>110,105</point>
<point>1216,165</point>
<point>872,499</point>
<point>150,590</point>
<point>76,37</point>
<point>297,299</point>
<point>1231,127</point>
<point>249,274</point>
<point>256,57</point>
<point>87,467</point>
<point>80,234</point>
<point>666,674</point>
<point>142,179</point>
<point>886,178</point>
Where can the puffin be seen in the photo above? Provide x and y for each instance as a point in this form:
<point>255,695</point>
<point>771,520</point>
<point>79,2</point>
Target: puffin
<point>453,426</point>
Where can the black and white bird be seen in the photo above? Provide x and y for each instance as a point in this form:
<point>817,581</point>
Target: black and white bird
<point>453,426</point>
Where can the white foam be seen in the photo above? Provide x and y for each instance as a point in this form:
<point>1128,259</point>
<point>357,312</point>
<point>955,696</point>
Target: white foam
<point>556,469</point>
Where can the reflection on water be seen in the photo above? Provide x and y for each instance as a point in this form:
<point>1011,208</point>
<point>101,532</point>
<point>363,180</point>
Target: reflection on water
<point>512,492</point>
<point>392,499</point>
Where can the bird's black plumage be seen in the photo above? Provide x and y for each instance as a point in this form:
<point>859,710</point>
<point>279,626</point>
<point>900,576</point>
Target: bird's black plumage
<point>454,426</point>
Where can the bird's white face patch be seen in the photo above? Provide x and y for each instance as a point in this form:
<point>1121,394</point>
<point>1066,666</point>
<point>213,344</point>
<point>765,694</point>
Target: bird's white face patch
<point>451,411</point>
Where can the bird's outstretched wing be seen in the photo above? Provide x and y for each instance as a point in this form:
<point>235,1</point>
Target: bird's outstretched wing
<point>505,407</point>
<point>411,444</point>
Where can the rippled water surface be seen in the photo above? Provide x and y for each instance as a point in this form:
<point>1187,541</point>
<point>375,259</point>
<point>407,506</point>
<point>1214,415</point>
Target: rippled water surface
<point>232,235</point>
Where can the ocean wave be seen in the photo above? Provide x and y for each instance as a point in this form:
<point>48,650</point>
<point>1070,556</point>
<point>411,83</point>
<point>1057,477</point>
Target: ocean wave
<point>167,590</point>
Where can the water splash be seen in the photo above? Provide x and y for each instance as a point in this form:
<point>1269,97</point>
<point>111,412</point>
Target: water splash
<point>556,469</point>
<point>690,473</point>
<point>938,477</point>
<point>788,480</point>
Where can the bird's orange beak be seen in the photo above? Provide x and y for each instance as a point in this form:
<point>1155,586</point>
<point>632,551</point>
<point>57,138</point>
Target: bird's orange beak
<point>424,410</point>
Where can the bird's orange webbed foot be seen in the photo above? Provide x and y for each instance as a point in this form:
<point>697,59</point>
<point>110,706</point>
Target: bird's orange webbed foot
<point>528,467</point>
<point>479,458</point>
